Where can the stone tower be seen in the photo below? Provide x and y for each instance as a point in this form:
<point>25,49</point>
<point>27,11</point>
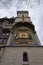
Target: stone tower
<point>23,31</point>
<point>19,43</point>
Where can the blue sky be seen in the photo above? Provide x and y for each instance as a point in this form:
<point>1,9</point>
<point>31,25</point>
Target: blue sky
<point>36,13</point>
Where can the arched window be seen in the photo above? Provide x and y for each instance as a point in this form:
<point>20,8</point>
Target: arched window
<point>25,58</point>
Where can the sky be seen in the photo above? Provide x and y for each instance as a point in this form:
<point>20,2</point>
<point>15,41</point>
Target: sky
<point>9,8</point>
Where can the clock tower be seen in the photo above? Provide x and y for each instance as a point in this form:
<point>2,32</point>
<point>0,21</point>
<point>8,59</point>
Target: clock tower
<point>23,31</point>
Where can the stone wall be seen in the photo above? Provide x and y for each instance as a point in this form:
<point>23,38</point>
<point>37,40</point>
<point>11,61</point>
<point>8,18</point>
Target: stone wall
<point>14,56</point>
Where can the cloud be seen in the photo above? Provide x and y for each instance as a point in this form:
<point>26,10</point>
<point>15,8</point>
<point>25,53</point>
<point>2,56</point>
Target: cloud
<point>35,13</point>
<point>37,18</point>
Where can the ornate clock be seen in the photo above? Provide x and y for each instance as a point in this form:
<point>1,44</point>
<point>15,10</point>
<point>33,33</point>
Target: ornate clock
<point>23,36</point>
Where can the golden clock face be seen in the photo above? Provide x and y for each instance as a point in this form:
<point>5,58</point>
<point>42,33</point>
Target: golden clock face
<point>23,36</point>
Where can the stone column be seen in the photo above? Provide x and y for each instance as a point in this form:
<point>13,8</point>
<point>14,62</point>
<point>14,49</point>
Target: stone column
<point>9,39</point>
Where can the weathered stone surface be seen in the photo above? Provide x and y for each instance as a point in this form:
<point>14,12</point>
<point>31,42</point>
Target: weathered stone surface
<point>14,56</point>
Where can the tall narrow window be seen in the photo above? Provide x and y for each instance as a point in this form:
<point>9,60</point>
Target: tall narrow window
<point>25,58</point>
